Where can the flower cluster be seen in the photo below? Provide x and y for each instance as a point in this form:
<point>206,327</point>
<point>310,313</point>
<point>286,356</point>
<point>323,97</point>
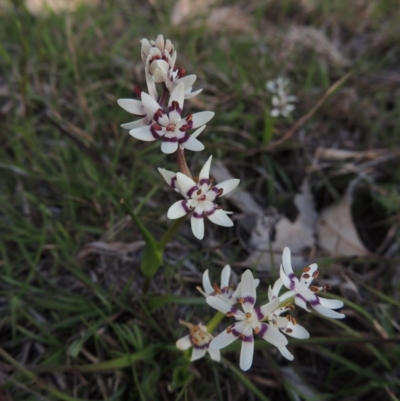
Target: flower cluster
<point>162,118</point>
<point>266,321</point>
<point>281,101</point>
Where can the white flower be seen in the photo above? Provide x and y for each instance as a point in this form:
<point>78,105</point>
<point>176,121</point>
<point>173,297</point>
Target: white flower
<point>170,127</point>
<point>302,291</point>
<point>252,318</point>
<point>199,338</point>
<point>286,324</point>
<point>226,291</point>
<point>159,57</point>
<point>200,197</point>
<point>281,101</point>
<point>136,106</point>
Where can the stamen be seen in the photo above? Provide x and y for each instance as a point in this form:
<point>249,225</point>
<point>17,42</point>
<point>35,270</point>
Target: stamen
<point>313,288</point>
<point>289,330</point>
<point>248,315</point>
<point>256,330</point>
<point>241,300</point>
<point>196,179</point>
<point>230,314</point>
<point>198,192</point>
<point>315,274</point>
<point>229,330</point>
<point>242,336</point>
<point>291,307</point>
<point>306,276</point>
<point>327,287</point>
<point>216,288</point>
<point>306,269</point>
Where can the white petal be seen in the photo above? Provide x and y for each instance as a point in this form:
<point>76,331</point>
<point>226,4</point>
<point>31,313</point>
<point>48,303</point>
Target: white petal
<point>296,331</point>
<point>276,288</point>
<point>274,113</point>
<point>223,306</point>
<point>197,225</point>
<point>169,143</point>
<point>189,94</point>
<point>220,218</point>
<point>198,131</point>
<point>186,184</point>
<point>142,133</point>
<point>169,177</point>
<point>270,307</point>
<point>299,301</point>
<point>151,86</point>
<point>191,143</point>
<point>159,64</point>
<point>149,104</point>
<point>159,76</point>
<point>248,291</point>
<point>197,353</point>
<point>178,209</point>
<point>331,303</point>
<point>132,106</point>
<point>135,124</point>
<point>215,355</point>
<point>286,261</point>
<point>256,282</point>
<point>272,335</point>
<point>207,287</point>
<point>202,118</point>
<point>328,312</point>
<point>184,343</point>
<point>286,281</point>
<point>247,350</point>
<point>227,186</point>
<point>187,81</point>
<point>177,95</point>
<point>159,43</point>
<point>205,171</point>
<point>227,337</point>
<point>285,353</point>
<point>225,275</point>
<point>146,46</point>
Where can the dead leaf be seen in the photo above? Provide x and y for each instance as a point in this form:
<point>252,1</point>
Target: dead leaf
<point>336,231</point>
<point>273,233</point>
<point>116,248</point>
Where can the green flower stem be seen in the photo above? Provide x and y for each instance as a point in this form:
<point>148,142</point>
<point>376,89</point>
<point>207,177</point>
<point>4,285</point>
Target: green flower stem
<point>287,302</point>
<point>269,123</point>
<point>153,253</point>
<point>171,231</point>
<point>213,323</point>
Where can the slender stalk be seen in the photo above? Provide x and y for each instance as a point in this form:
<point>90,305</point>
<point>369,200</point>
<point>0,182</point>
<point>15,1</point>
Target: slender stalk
<point>181,160</point>
<point>214,322</point>
<point>171,231</point>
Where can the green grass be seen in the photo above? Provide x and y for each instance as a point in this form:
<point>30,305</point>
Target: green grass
<point>70,327</point>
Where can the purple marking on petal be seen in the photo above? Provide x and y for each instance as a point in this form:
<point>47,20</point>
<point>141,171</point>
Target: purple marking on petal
<point>173,182</point>
<point>258,312</point>
<point>175,106</point>
<point>184,138</point>
<point>185,206</point>
<point>158,114</point>
<point>233,309</point>
<point>301,297</point>
<point>170,139</point>
<point>192,190</point>
<point>204,181</point>
<point>315,301</point>
<point>292,282</point>
<point>204,346</point>
<point>198,215</point>
<point>236,333</point>
<point>250,300</point>
<point>247,339</point>
<point>263,330</point>
<point>210,212</point>
<point>154,132</point>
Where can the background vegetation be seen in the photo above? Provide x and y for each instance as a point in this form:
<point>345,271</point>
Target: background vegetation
<point>74,324</point>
